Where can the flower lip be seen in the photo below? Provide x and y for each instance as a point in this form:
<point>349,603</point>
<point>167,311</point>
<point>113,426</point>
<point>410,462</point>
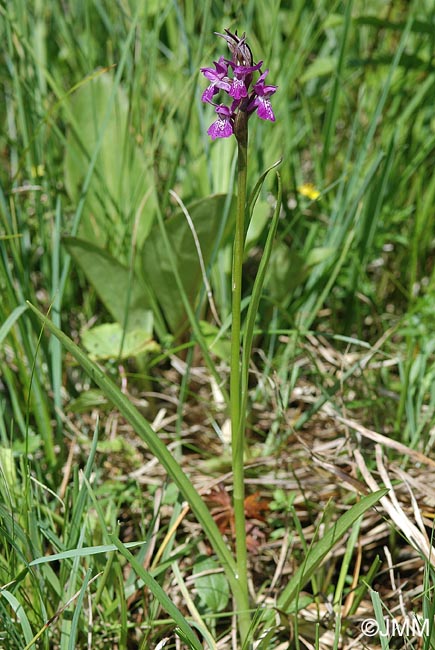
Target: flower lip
<point>223,126</point>
<point>242,79</point>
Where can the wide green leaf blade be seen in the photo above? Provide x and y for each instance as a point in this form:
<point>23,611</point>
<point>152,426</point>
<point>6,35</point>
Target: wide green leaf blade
<point>20,614</point>
<point>11,320</point>
<point>206,215</point>
<point>111,280</point>
<point>109,341</point>
<point>121,188</point>
<point>211,586</point>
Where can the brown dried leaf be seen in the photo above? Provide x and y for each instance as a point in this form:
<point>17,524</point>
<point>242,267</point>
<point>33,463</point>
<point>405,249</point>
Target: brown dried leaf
<point>254,507</point>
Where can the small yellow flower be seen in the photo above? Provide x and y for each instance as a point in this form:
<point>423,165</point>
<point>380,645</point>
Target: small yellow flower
<point>309,190</point>
<point>37,171</point>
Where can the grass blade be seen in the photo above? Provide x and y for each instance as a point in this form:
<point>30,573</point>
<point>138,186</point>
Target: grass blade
<point>19,613</point>
<point>161,596</point>
<point>11,320</point>
<point>321,548</point>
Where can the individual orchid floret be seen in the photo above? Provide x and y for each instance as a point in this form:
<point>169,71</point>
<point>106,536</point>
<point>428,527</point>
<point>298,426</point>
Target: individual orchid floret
<point>223,127</point>
<point>218,78</point>
<point>242,79</point>
<point>261,100</point>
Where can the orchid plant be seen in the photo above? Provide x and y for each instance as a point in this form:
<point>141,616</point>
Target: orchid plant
<point>235,77</point>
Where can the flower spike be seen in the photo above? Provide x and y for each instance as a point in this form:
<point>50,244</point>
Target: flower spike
<point>235,78</point>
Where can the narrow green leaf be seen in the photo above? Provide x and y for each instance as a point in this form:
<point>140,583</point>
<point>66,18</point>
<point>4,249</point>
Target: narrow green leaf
<point>19,613</point>
<point>380,620</point>
<point>77,611</point>
<point>321,547</point>
<point>85,551</point>
<point>11,320</point>
<point>332,106</point>
<point>257,189</point>
<point>255,301</point>
<point>162,597</point>
<point>418,26</point>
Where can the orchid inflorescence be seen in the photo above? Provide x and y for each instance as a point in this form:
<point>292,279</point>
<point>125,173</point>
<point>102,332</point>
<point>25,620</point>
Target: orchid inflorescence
<point>246,96</point>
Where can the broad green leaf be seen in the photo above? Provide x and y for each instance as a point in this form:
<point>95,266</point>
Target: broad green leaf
<point>206,216</point>
<point>217,342</point>
<point>321,547</point>
<point>286,270</point>
<point>320,67</point>
<point>212,587</point>
<point>111,281</point>
<point>320,254</point>
<point>121,188</point>
<point>259,219</point>
<point>105,341</point>
<point>88,400</point>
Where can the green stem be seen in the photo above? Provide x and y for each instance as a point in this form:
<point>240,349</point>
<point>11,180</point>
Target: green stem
<point>237,418</point>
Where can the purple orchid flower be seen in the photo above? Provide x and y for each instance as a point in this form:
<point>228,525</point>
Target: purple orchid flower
<point>242,79</point>
<point>218,78</point>
<point>223,127</point>
<point>235,78</point>
<point>261,101</point>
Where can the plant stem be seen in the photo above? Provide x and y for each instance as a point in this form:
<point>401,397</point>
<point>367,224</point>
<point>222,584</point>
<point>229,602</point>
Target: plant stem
<point>237,418</point>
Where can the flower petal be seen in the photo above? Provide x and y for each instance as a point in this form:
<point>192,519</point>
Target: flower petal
<point>208,94</point>
<point>238,89</point>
